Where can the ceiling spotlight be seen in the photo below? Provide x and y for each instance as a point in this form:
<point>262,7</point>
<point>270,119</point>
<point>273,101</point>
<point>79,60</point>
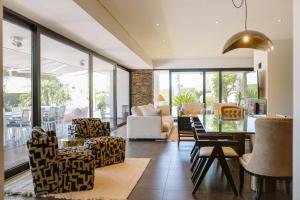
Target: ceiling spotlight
<point>279,20</point>
<point>157,24</point>
<point>17,41</point>
<point>217,22</point>
<point>163,41</point>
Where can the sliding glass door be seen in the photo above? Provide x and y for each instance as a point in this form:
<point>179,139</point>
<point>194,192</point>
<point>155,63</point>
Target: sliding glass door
<point>103,90</point>
<point>212,92</point>
<point>64,85</point>
<point>17,105</point>
<point>187,87</point>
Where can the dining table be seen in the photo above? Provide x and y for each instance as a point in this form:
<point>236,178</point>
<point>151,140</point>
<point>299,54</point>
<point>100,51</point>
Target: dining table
<point>239,129</point>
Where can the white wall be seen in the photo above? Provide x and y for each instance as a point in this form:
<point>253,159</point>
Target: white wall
<point>296,138</point>
<point>1,108</point>
<point>276,77</point>
<point>122,90</point>
<point>280,78</point>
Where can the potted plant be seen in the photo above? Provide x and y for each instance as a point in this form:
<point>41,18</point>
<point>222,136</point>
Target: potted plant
<point>102,105</point>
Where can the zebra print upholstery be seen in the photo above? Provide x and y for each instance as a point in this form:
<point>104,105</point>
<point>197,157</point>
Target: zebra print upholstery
<point>106,149</point>
<point>90,127</point>
<point>57,171</point>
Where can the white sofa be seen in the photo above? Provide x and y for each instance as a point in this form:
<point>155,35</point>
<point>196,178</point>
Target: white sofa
<point>150,127</point>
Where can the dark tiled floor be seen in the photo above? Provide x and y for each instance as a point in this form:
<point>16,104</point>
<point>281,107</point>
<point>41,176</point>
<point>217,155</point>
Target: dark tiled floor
<point>167,176</point>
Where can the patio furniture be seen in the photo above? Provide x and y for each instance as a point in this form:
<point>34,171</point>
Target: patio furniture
<point>108,150</point>
<point>57,171</point>
<point>16,124</point>
<point>272,153</point>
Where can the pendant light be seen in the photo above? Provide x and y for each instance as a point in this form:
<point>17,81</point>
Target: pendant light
<point>248,38</point>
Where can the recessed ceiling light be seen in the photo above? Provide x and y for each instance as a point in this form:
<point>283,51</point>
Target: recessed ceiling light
<point>279,20</point>
<point>157,24</point>
<point>163,41</point>
<point>217,22</point>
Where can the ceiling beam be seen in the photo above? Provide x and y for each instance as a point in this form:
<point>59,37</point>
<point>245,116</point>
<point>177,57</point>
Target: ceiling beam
<point>96,10</point>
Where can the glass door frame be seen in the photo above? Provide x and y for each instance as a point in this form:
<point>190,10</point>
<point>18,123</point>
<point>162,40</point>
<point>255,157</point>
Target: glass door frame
<point>203,70</point>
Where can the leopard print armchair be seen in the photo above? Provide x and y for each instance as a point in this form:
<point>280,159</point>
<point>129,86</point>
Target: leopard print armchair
<point>57,171</point>
<point>106,149</point>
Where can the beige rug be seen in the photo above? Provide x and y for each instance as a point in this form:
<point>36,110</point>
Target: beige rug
<point>113,182</point>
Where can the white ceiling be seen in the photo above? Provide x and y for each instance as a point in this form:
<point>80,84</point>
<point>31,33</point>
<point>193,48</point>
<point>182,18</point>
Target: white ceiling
<point>187,32</point>
<point>68,19</point>
<point>188,28</point>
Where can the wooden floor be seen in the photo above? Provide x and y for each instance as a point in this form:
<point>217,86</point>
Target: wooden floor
<point>167,177</point>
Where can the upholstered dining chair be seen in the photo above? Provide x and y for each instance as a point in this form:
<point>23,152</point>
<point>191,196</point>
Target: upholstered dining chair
<point>232,112</point>
<point>272,153</point>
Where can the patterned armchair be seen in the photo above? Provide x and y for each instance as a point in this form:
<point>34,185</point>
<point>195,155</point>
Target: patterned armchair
<point>107,150</point>
<point>57,171</point>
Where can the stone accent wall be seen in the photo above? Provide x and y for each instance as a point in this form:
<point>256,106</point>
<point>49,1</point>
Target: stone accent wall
<point>141,87</point>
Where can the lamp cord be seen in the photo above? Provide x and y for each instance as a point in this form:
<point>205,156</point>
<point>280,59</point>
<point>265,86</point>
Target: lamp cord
<point>246,10</point>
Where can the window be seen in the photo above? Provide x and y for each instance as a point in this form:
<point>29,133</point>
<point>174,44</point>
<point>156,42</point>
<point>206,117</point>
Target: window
<point>161,86</point>
<point>103,90</point>
<point>237,86</point>
<point>17,93</point>
<point>64,85</point>
<point>122,95</point>
<point>211,90</point>
<point>187,87</point>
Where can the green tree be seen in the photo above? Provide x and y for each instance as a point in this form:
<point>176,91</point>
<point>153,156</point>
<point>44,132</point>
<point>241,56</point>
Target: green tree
<point>53,92</point>
<point>229,85</point>
<point>186,97</point>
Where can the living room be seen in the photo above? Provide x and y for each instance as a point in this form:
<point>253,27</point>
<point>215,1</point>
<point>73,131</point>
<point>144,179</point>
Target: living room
<point>150,99</point>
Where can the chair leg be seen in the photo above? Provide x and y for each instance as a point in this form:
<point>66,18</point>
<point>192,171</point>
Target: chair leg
<point>288,186</point>
<point>226,169</point>
<point>241,178</point>
<point>195,161</point>
<point>259,184</point>
<point>194,148</point>
<point>206,168</point>
<point>198,169</point>
<point>193,156</point>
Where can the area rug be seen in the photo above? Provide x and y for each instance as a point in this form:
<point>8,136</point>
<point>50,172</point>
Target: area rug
<point>113,182</point>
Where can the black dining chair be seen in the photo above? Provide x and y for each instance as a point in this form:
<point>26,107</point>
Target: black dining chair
<point>211,147</point>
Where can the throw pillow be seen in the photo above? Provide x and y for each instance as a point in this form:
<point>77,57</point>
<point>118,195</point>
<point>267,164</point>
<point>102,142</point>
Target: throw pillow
<point>150,112</point>
<point>136,111</point>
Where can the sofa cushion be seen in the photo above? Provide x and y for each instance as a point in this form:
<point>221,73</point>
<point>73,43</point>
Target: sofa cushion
<point>150,112</point>
<point>165,110</point>
<point>136,111</point>
<point>166,123</point>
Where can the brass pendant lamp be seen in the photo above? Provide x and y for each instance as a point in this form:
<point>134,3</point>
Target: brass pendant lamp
<point>248,38</point>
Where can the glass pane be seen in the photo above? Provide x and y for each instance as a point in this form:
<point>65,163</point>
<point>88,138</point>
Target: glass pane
<point>122,95</point>
<point>103,87</point>
<point>212,90</point>
<point>16,92</point>
<point>252,85</point>
<point>187,87</point>
<point>64,85</point>
<point>161,87</point>
<point>237,86</point>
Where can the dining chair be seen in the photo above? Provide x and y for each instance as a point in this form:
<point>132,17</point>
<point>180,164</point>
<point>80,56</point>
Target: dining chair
<point>209,148</point>
<point>232,112</point>
<point>271,157</point>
